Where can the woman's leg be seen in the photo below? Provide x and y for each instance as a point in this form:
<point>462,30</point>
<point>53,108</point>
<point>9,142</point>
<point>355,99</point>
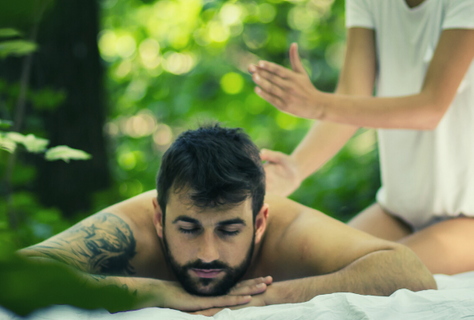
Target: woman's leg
<point>375,221</point>
<point>446,247</point>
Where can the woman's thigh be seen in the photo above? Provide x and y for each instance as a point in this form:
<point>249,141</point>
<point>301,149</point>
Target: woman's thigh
<point>375,221</point>
<point>446,247</point>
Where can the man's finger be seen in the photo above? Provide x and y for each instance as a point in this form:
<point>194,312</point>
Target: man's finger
<point>249,289</point>
<point>280,71</point>
<point>295,60</point>
<point>223,301</point>
<point>266,280</point>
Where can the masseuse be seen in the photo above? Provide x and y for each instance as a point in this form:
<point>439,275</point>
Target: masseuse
<point>420,56</point>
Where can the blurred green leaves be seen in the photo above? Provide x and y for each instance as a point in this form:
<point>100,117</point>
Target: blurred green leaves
<point>28,285</point>
<point>9,32</point>
<point>16,48</point>
<point>65,153</point>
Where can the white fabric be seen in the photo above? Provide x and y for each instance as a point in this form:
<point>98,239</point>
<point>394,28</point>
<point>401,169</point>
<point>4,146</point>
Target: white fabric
<point>425,174</point>
<point>454,300</point>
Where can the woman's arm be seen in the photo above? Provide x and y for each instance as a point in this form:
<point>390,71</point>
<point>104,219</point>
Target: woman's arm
<point>325,139</point>
<point>290,92</point>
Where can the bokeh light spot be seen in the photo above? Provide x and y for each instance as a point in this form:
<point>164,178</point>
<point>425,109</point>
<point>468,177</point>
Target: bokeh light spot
<point>178,63</point>
<point>267,12</point>
<point>107,43</point>
<point>300,18</point>
<point>286,121</point>
<point>163,135</point>
<point>123,69</point>
<point>232,83</point>
<point>230,14</point>
<point>125,46</point>
<point>127,161</point>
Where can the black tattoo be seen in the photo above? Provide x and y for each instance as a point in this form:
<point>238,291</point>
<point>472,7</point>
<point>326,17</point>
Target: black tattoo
<point>103,244</point>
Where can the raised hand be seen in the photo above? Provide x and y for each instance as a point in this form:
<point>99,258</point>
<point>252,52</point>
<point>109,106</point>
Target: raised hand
<point>281,172</point>
<point>290,91</point>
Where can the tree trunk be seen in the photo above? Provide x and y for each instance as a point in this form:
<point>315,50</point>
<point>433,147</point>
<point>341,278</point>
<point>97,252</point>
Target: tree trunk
<point>68,59</point>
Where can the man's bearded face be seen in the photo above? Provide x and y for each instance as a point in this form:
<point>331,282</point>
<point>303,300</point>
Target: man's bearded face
<point>218,283</point>
<point>209,250</point>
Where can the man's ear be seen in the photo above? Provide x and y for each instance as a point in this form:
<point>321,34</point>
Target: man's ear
<point>261,223</point>
<point>158,218</point>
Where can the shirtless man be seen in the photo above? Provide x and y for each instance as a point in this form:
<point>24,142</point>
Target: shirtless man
<point>211,239</point>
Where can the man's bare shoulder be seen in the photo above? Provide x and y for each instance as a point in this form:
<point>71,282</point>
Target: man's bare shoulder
<point>119,240</point>
<point>301,241</point>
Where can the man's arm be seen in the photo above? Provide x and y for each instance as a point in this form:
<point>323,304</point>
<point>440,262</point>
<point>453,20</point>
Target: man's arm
<point>100,251</point>
<point>333,257</point>
<point>324,139</point>
<point>378,273</point>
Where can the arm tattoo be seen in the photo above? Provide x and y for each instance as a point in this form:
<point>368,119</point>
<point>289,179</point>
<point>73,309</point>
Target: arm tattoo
<point>103,244</point>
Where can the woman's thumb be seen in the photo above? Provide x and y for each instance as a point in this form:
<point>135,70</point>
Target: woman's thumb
<point>271,156</point>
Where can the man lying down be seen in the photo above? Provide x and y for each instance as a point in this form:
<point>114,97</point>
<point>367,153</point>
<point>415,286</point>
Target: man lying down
<point>211,239</point>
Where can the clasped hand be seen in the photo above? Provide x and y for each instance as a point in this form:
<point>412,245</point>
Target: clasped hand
<point>242,294</point>
<point>290,91</point>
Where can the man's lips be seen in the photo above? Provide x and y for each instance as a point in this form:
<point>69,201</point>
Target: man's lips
<point>207,273</point>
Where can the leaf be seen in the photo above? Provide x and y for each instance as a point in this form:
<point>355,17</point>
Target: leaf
<point>15,136</point>
<point>31,142</point>
<point>28,285</point>
<point>6,143</point>
<point>4,124</point>
<point>47,99</point>
<point>65,153</point>
<point>34,144</point>
<point>16,48</point>
<point>9,32</point>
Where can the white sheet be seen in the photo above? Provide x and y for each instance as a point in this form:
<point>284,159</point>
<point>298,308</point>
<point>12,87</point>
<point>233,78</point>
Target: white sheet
<point>454,300</point>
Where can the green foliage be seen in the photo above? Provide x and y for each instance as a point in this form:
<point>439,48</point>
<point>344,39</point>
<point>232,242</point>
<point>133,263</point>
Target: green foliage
<point>47,99</point>
<point>9,32</point>
<point>5,124</point>
<point>31,143</point>
<point>28,285</point>
<point>176,63</point>
<point>16,48</point>
<point>65,153</point>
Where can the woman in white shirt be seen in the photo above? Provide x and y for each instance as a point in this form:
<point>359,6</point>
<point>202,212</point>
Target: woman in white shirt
<point>419,54</point>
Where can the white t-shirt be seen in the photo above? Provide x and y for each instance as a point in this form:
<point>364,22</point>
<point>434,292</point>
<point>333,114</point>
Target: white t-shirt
<point>425,174</point>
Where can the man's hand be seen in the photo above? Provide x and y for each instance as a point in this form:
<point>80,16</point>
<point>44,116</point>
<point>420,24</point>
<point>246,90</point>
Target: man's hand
<point>175,297</point>
<point>289,91</point>
<point>258,300</point>
<point>281,172</point>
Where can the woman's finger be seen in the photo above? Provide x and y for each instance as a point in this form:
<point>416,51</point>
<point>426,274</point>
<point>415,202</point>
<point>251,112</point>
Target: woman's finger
<point>295,60</point>
<point>272,156</point>
<point>268,86</point>
<point>273,78</point>
<point>275,101</point>
<point>280,71</point>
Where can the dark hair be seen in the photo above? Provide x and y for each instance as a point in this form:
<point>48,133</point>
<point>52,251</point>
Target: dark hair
<point>220,166</point>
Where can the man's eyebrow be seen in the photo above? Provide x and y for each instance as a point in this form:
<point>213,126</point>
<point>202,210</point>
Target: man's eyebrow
<point>222,223</point>
<point>232,221</point>
<point>186,219</point>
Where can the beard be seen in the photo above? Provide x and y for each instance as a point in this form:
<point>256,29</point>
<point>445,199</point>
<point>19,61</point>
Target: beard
<point>208,286</point>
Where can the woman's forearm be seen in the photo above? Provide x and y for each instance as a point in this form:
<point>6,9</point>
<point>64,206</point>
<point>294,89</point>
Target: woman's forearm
<point>417,112</point>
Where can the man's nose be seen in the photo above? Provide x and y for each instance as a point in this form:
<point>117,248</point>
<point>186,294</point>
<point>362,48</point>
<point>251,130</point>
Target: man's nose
<point>208,249</point>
